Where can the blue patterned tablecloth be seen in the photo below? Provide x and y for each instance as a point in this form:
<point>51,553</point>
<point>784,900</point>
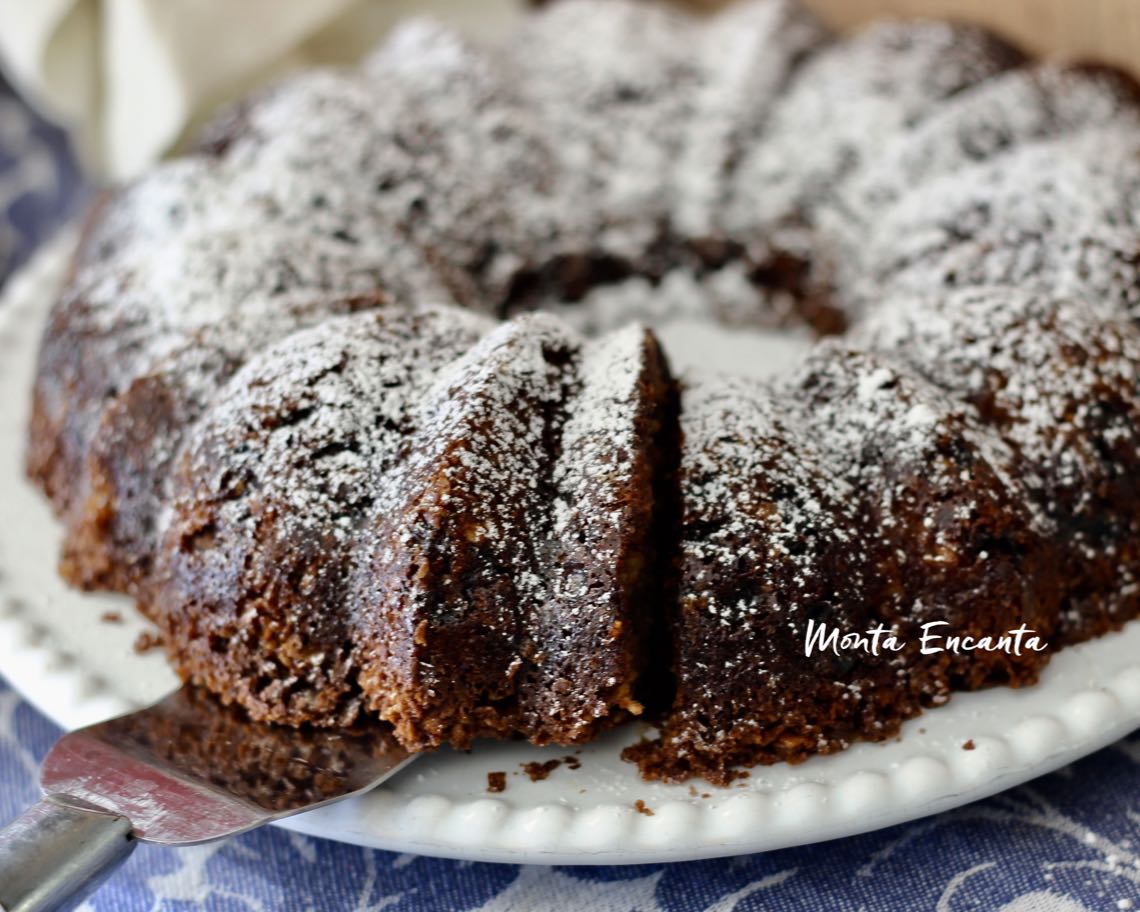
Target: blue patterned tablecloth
<point>40,182</point>
<point>1069,842</point>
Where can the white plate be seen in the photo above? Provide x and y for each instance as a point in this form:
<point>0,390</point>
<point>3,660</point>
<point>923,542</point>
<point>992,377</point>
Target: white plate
<point>78,668</point>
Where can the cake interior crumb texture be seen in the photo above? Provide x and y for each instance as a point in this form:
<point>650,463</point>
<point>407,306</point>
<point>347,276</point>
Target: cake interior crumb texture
<point>364,399</point>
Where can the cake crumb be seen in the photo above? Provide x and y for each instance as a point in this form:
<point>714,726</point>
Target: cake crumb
<point>497,781</point>
<point>969,745</point>
<point>111,617</point>
<point>147,641</point>
<point>539,771</point>
<point>642,808</point>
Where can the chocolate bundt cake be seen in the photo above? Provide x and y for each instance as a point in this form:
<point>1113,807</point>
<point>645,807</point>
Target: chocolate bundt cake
<point>297,400</point>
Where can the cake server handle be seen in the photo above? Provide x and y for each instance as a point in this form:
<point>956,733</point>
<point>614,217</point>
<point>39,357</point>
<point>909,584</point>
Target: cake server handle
<point>58,852</point>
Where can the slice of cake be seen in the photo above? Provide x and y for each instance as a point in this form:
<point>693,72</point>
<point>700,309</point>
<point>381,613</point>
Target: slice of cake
<point>502,589</point>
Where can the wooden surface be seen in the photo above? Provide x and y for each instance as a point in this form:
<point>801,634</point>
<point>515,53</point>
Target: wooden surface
<point>1102,30</point>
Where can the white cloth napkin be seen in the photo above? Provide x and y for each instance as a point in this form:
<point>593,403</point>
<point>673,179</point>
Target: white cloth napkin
<point>129,77</point>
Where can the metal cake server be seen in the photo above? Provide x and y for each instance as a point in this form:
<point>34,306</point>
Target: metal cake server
<point>183,771</point>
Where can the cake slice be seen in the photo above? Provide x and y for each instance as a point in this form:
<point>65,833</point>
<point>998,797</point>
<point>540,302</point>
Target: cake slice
<point>604,541</point>
<point>501,585</point>
<point>450,568</point>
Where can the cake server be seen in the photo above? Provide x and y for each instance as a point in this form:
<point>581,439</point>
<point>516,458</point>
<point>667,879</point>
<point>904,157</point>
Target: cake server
<point>183,771</point>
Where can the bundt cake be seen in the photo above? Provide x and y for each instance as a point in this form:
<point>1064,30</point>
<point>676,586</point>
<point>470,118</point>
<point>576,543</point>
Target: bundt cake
<point>355,400</point>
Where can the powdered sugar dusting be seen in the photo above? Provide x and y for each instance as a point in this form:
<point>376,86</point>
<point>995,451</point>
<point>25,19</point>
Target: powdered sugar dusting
<point>992,118</point>
<point>317,400</point>
<point>882,427</point>
<point>1056,379</point>
<point>750,479</point>
<point>844,103</point>
<point>272,491</point>
<point>1056,216</point>
<point>599,437</point>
